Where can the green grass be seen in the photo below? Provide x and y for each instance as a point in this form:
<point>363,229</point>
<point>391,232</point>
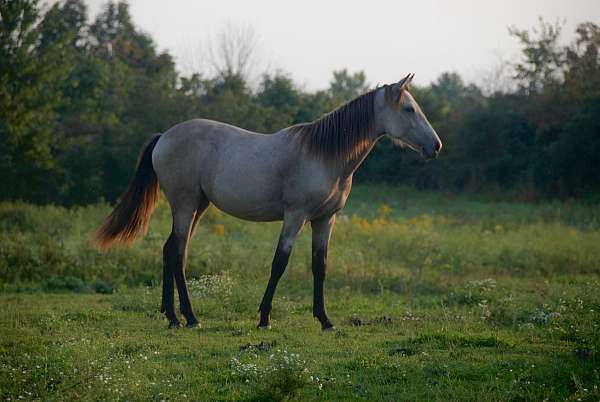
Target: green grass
<point>435,297</point>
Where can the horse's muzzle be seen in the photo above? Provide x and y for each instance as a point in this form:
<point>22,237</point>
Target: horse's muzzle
<point>433,151</point>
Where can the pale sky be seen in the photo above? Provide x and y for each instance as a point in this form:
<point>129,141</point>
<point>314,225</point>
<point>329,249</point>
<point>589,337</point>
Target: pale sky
<point>387,39</point>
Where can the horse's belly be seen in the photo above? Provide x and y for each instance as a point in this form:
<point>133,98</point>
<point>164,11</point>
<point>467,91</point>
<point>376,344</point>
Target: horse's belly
<point>246,196</point>
<point>250,211</point>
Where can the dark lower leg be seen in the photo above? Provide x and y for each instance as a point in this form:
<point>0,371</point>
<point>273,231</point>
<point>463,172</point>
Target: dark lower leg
<point>176,257</point>
<point>184,299</point>
<point>319,261</point>
<point>168,293</point>
<point>277,268</point>
<point>185,304</point>
<point>167,287</point>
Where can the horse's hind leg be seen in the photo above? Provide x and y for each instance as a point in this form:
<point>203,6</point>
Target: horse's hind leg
<point>199,213</point>
<point>175,259</point>
<point>168,290</point>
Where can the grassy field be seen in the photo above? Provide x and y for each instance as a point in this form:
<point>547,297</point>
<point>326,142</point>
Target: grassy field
<point>434,296</point>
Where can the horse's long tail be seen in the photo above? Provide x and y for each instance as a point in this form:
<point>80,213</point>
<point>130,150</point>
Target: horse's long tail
<point>133,211</point>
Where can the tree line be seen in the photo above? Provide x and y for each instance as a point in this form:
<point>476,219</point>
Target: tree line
<point>79,97</point>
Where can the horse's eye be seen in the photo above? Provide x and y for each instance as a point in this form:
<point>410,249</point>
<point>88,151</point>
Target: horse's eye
<point>409,109</point>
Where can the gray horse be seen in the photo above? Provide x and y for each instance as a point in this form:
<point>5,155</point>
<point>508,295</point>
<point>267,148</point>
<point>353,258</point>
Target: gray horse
<point>300,174</point>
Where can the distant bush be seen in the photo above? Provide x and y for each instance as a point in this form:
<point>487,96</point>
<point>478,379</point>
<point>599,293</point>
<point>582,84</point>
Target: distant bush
<point>67,283</point>
<point>101,286</point>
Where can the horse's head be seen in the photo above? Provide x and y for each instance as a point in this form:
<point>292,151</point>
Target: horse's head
<point>400,117</point>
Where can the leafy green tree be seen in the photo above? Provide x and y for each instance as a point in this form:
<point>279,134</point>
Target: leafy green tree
<point>575,156</point>
<point>582,75</point>
<point>66,18</point>
<point>29,93</point>
<point>283,100</point>
<point>228,99</point>
<point>542,57</point>
<point>497,146</point>
<point>345,86</point>
<point>126,92</point>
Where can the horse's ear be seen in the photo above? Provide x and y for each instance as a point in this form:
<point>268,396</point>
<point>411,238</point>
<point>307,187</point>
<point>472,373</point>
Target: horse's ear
<point>402,83</point>
<point>405,82</point>
<point>398,88</point>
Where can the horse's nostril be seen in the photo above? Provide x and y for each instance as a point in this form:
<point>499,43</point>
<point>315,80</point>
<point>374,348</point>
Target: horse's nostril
<point>438,146</point>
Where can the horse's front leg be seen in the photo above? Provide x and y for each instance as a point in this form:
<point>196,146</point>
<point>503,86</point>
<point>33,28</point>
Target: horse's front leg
<point>321,233</point>
<point>292,224</point>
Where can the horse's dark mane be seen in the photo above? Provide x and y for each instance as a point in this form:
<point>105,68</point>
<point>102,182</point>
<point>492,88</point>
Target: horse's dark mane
<point>342,134</point>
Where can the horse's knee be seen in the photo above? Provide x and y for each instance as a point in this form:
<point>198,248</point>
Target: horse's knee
<point>285,246</point>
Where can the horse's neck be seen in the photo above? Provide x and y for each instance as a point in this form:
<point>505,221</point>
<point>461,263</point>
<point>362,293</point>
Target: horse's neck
<point>348,167</point>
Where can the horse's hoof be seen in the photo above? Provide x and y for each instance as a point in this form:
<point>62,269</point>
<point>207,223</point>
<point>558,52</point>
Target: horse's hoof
<point>329,328</point>
<point>193,325</point>
<point>268,326</point>
<point>174,324</point>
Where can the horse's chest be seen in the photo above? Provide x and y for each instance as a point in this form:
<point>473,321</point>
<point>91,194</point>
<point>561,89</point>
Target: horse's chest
<point>332,201</point>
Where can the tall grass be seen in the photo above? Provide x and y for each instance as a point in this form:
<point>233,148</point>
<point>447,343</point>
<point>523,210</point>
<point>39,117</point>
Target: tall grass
<point>386,238</point>
<point>435,297</point>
